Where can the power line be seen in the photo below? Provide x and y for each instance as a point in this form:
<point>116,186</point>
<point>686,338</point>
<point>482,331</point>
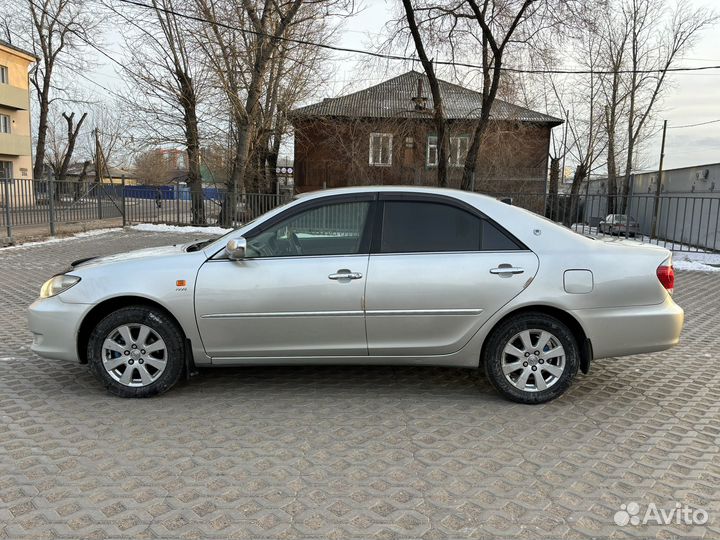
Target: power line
<point>408,58</point>
<point>694,125</point>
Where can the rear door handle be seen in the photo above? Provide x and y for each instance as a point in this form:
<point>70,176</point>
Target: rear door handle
<point>506,269</point>
<point>345,274</point>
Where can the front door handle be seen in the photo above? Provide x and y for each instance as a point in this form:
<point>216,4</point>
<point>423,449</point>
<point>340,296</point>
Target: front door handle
<point>507,269</point>
<point>345,274</point>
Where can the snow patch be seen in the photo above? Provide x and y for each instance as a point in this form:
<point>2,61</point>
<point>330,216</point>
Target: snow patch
<point>179,229</point>
<point>55,239</point>
<point>694,266</point>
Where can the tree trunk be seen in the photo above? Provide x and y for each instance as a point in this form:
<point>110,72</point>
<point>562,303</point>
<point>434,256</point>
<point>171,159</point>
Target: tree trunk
<point>81,181</point>
<point>438,110</point>
<point>72,132</point>
<point>552,205</point>
<point>188,100</point>
<point>571,214</point>
<point>44,104</point>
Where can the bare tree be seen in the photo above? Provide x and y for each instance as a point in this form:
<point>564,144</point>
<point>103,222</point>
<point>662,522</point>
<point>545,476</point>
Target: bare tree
<point>60,30</point>
<point>488,29</point>
<point>243,42</point>
<point>654,48</point>
<point>167,84</point>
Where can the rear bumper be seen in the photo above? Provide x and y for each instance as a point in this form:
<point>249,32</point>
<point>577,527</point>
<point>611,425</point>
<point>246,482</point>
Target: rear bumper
<point>54,325</point>
<point>632,330</point>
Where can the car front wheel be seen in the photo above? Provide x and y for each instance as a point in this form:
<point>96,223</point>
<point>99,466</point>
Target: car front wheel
<point>137,351</point>
<point>531,358</point>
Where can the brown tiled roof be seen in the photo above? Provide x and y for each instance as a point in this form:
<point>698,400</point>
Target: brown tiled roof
<point>393,99</point>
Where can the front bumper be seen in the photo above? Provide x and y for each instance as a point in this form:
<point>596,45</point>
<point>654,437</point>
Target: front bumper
<point>633,329</point>
<point>54,325</point>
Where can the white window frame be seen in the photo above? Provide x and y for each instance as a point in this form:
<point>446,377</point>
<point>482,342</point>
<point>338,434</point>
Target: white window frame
<point>380,137</point>
<point>4,75</point>
<point>5,123</point>
<point>455,160</point>
<point>432,145</point>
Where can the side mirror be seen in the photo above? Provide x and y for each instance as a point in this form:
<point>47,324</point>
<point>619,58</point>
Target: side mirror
<point>235,248</point>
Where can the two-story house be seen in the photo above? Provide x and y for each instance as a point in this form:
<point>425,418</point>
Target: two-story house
<point>385,134</point>
<point>15,139</point>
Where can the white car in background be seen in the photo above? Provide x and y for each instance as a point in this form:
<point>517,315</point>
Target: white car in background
<point>374,275</point>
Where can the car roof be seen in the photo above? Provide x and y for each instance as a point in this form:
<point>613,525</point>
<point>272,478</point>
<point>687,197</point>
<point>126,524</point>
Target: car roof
<point>468,196</point>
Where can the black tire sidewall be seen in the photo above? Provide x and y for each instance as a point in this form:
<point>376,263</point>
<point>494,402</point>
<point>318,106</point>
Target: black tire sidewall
<point>530,321</point>
<point>165,327</point>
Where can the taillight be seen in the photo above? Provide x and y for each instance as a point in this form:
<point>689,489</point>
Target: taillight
<point>666,276</point>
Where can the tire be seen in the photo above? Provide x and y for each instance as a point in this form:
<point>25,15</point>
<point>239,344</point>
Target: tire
<point>152,371</point>
<point>555,370</point>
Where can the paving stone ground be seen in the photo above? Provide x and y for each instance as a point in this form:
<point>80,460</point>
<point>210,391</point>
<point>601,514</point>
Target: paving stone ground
<point>351,452</point>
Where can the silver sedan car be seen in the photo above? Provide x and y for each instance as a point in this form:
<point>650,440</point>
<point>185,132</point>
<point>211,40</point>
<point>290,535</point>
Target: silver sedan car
<point>376,275</point>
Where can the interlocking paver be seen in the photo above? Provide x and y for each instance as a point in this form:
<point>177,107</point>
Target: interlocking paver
<point>350,452</point>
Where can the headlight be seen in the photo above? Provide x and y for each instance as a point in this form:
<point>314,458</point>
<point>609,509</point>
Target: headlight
<point>57,284</point>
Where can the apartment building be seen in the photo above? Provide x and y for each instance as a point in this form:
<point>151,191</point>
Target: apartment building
<point>15,139</point>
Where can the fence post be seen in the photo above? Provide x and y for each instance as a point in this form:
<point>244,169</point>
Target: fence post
<point>8,223</point>
<point>122,199</point>
<point>98,187</point>
<point>177,202</point>
<point>51,202</point>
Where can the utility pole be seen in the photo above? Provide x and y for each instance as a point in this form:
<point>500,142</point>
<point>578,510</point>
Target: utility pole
<point>659,183</point>
<point>98,173</point>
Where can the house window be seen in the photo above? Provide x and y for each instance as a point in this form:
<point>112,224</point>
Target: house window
<point>432,151</point>
<point>381,149</point>
<point>458,151</point>
<point>6,170</point>
<point>3,75</point>
<point>4,123</point>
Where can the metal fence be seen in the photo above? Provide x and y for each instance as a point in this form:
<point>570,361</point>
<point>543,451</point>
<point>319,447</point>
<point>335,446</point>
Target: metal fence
<point>678,221</point>
<point>46,203</point>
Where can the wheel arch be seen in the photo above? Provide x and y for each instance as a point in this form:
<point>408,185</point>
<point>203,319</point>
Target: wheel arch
<point>107,306</point>
<point>583,342</point>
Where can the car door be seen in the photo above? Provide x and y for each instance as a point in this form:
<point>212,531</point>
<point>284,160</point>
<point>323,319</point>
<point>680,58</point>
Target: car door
<point>438,271</point>
<point>298,291</point>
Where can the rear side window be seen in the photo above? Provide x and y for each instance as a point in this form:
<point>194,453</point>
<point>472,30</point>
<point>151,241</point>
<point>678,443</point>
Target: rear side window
<point>494,239</point>
<point>420,226</point>
<point>410,226</point>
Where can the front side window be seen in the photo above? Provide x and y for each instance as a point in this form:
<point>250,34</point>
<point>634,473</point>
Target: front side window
<point>4,75</point>
<point>332,229</point>
<point>419,226</point>
<point>381,149</point>
<point>458,151</point>
<point>4,123</point>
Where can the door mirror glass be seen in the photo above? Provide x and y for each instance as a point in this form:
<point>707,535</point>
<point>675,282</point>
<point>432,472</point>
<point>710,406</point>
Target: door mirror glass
<point>235,249</point>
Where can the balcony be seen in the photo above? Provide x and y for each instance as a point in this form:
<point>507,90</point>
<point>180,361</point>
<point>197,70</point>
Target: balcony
<point>14,145</point>
<point>13,97</point>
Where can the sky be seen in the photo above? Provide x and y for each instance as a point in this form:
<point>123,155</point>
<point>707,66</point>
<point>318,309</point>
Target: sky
<point>691,98</point>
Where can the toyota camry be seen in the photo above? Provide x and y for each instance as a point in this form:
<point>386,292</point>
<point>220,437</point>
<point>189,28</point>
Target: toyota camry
<point>374,275</point>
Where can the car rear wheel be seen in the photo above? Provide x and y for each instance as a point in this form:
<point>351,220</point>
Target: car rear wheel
<point>531,358</point>
<point>136,352</point>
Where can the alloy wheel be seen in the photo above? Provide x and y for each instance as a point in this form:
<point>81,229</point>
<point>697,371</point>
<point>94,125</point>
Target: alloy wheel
<point>134,355</point>
<point>533,360</point>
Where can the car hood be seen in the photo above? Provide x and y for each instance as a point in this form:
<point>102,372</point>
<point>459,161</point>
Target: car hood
<point>146,253</point>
